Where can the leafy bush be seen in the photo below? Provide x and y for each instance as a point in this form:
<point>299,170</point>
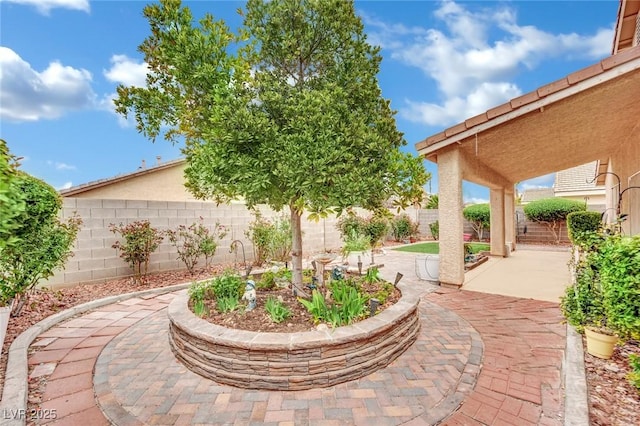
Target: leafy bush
<point>198,293</point>
<point>433,202</point>
<point>259,233</point>
<point>195,241</point>
<point>634,374</point>
<point>581,226</point>
<point>552,212</point>
<point>12,203</point>
<point>271,239</point>
<point>434,227</point>
<point>479,215</point>
<point>348,305</point>
<point>45,242</point>
<point>582,303</point>
<point>620,278</point>
<point>228,284</point>
<point>276,310</point>
<point>140,240</point>
<point>269,278</point>
<point>355,243</point>
<point>349,224</point>
<point>402,227</point>
<point>280,244</point>
<point>376,228</point>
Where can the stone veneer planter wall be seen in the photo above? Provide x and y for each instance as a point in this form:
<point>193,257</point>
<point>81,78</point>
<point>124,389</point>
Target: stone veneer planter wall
<point>291,361</point>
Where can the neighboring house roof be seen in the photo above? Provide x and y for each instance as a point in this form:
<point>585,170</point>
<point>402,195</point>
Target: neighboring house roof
<point>578,179</point>
<point>530,195</point>
<point>75,190</point>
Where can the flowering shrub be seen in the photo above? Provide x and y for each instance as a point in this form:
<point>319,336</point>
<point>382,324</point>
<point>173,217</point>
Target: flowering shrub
<point>140,240</point>
<point>195,241</point>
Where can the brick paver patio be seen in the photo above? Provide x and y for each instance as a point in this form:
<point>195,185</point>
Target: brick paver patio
<point>480,359</point>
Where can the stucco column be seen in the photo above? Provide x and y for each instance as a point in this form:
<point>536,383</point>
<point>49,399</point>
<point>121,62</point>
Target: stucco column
<point>509,219</point>
<point>497,221</point>
<point>450,218</point>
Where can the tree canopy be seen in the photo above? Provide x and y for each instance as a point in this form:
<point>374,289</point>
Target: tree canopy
<point>287,112</point>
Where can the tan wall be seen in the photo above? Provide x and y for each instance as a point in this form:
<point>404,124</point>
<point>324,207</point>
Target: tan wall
<point>95,260</point>
<point>625,163</point>
<point>158,185</point>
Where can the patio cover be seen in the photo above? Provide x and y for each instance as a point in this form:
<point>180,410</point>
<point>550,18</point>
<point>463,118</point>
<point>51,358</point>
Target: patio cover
<point>583,117</point>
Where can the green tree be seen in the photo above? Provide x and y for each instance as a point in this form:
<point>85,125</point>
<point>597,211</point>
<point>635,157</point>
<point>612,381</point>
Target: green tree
<point>45,241</point>
<point>479,215</point>
<point>552,212</point>
<point>294,119</point>
<point>11,199</point>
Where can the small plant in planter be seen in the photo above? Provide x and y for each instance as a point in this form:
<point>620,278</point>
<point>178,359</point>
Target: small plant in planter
<point>355,245</point>
<point>277,310</point>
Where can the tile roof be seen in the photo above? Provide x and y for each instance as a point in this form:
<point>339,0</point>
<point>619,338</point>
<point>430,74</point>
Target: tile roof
<point>578,178</point>
<point>567,82</point>
<point>536,194</point>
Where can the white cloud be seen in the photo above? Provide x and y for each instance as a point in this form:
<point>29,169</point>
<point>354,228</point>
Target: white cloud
<point>458,108</point>
<point>29,95</point>
<point>45,6</point>
<point>127,71</point>
<point>475,55</point>
<point>66,185</point>
<point>61,166</point>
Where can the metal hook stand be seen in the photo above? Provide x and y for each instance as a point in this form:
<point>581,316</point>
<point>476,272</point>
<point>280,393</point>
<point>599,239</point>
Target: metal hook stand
<point>234,248</point>
<point>619,196</point>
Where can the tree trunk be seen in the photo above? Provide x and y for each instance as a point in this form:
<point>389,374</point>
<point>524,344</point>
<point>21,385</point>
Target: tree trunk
<point>296,252</point>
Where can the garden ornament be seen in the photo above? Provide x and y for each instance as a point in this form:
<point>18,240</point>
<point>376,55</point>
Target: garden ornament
<point>250,295</point>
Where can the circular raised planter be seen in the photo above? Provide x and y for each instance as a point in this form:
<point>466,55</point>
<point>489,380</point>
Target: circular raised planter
<point>291,361</point>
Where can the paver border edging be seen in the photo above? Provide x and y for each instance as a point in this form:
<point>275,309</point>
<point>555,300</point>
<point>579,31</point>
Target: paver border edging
<point>15,389</point>
<point>291,361</point>
<point>576,401</point>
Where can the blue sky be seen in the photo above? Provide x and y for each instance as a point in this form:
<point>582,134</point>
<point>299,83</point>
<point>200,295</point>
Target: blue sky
<point>444,61</point>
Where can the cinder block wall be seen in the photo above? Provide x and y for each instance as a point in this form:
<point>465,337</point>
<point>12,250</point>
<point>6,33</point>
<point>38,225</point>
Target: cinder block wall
<point>95,260</point>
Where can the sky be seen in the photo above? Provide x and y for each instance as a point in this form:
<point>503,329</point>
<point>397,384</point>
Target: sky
<point>443,61</point>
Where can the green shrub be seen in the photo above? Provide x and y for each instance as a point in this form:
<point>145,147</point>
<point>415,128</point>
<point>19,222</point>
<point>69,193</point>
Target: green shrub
<point>195,241</point>
<point>260,233</point>
<point>45,242</point>
<point>271,239</point>
<point>140,240</point>
<point>433,202</point>
<point>402,227</point>
<point>349,224</point>
<point>376,228</point>
<point>581,226</point>
<point>198,293</point>
<point>12,203</point>
<point>348,305</point>
<point>634,374</point>
<point>355,243</point>
<point>620,278</point>
<point>582,303</point>
<point>228,284</point>
<point>276,310</point>
<point>268,279</point>
<point>434,227</point>
<point>479,215</point>
<point>552,212</point>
